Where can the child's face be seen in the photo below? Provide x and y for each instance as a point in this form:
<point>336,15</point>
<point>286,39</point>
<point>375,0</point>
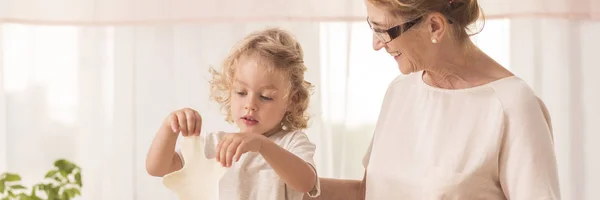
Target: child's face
<point>259,96</point>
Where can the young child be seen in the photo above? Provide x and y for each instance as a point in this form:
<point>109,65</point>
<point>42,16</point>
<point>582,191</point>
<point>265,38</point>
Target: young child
<point>262,90</point>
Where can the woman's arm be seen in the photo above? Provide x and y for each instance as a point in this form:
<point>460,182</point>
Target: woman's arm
<point>341,189</point>
<point>527,163</point>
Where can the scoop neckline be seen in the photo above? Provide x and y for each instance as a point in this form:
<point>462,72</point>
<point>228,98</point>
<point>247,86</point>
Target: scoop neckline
<point>469,89</point>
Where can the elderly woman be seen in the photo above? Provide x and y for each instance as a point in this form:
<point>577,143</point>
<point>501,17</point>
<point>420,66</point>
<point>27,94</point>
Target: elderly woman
<point>459,125</point>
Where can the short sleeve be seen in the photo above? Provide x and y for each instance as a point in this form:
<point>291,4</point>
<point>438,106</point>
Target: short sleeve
<point>301,146</point>
<point>211,141</point>
<point>527,165</point>
<point>367,155</point>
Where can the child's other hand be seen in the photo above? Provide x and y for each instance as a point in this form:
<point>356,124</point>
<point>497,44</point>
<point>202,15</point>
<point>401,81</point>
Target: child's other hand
<point>187,121</point>
<point>233,146</point>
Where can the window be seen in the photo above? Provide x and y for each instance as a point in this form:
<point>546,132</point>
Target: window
<point>41,62</point>
<point>40,84</point>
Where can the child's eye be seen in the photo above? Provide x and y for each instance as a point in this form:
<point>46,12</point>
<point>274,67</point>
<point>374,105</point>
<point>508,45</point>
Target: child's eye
<point>265,98</point>
<point>241,93</point>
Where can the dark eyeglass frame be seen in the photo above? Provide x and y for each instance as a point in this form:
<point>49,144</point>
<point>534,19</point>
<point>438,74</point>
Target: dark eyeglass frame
<point>395,31</point>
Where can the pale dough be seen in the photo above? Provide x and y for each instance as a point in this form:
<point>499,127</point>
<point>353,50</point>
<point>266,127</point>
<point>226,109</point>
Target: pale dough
<point>199,177</point>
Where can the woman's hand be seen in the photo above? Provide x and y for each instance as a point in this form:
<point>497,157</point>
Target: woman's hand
<point>187,121</point>
<point>233,146</point>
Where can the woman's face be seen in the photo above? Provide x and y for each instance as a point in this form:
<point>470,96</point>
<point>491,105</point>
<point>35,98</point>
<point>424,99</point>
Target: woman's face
<point>410,48</point>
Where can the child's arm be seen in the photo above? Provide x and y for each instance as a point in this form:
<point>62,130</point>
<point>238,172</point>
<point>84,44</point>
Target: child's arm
<point>294,171</point>
<point>294,164</point>
<point>162,158</point>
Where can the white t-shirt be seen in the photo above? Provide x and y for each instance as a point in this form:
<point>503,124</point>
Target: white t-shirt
<point>252,178</point>
<point>490,142</point>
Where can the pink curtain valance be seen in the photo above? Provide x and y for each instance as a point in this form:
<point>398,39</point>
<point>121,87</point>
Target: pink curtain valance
<point>131,12</point>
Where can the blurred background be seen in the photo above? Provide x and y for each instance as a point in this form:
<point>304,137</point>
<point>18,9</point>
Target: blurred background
<point>91,81</point>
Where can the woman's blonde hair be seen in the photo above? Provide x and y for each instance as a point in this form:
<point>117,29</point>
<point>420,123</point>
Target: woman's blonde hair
<point>285,55</point>
<point>462,13</point>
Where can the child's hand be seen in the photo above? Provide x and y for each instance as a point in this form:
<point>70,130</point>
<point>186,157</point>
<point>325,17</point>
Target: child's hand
<point>233,146</point>
<point>187,121</point>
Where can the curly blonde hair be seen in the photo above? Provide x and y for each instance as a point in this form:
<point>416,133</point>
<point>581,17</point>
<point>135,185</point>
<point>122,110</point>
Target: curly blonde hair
<point>285,54</point>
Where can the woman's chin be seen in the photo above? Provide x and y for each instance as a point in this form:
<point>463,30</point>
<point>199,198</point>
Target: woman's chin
<point>405,68</point>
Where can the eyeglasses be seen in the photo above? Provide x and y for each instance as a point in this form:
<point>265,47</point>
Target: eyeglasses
<point>388,35</point>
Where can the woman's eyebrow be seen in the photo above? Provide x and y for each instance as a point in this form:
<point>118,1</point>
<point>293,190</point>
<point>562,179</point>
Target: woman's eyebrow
<point>376,23</point>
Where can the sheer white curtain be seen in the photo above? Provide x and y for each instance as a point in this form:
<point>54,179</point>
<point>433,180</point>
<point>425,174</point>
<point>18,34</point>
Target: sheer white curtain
<point>92,80</point>
<point>97,95</point>
<point>558,58</point>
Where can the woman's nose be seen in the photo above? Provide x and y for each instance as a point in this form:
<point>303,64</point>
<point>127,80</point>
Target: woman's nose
<point>377,44</point>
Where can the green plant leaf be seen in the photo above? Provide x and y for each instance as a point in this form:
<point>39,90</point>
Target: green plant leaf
<point>73,191</point>
<point>64,165</point>
<point>12,177</point>
<point>40,186</point>
<point>52,195</point>
<point>2,187</point>
<point>60,180</point>
<point>34,190</point>
<point>17,187</point>
<point>51,173</point>
<point>78,179</point>
<point>64,173</point>
<point>46,188</point>
<point>24,196</point>
<point>55,190</point>
<point>58,185</point>
<point>70,193</point>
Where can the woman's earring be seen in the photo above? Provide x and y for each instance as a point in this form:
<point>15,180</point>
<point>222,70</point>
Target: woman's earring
<point>433,40</point>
